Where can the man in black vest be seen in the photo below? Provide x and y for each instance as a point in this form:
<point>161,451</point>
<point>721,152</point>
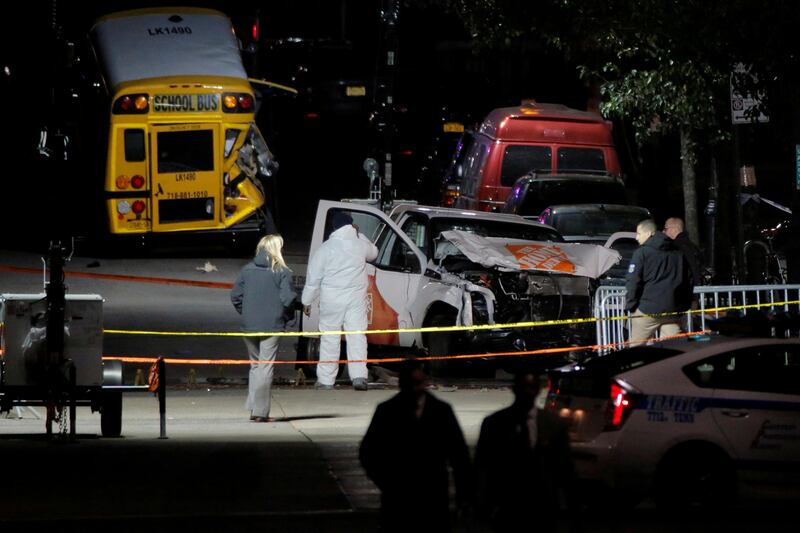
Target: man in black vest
<point>659,285</point>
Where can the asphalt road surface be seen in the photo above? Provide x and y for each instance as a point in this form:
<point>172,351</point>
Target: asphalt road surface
<point>219,471</point>
<point>215,468</point>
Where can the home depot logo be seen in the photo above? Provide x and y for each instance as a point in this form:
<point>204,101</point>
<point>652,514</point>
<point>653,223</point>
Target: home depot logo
<point>540,257</point>
<point>380,315</point>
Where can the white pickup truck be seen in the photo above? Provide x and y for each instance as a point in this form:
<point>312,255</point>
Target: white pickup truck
<point>442,267</point>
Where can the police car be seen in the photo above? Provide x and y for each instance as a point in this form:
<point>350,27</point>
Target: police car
<point>688,422</point>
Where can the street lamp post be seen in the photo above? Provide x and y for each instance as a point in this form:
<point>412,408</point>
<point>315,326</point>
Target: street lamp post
<point>390,12</point>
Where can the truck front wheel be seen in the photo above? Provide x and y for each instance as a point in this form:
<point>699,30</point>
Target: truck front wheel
<point>440,344</point>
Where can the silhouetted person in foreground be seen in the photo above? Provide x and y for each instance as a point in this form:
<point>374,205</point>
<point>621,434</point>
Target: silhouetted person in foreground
<point>523,463</point>
<point>411,440</point>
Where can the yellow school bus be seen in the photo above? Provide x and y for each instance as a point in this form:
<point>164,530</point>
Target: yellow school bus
<point>184,152</point>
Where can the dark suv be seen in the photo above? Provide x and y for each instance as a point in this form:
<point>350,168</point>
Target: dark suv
<point>535,191</point>
<point>592,223</point>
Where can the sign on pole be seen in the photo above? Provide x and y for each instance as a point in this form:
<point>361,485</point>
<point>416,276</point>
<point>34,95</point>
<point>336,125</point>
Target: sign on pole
<point>743,101</point>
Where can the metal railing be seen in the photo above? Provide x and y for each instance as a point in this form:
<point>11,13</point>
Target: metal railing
<point>714,302</point>
<point>612,318</point>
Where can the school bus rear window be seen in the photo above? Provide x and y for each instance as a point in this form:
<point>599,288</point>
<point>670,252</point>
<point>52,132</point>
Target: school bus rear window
<point>134,145</point>
<point>185,151</point>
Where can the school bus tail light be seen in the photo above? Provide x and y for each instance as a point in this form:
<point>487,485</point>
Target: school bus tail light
<point>138,207</point>
<point>246,102</point>
<point>229,102</point>
<point>237,103</point>
<point>131,104</point>
<point>137,181</point>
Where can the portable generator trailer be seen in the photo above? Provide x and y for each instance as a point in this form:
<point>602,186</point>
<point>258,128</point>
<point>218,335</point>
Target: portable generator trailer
<point>51,354</point>
<point>32,374</point>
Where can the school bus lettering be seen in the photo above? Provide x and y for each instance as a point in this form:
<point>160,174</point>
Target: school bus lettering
<point>185,103</point>
<point>186,176</point>
<point>175,30</point>
<point>207,102</point>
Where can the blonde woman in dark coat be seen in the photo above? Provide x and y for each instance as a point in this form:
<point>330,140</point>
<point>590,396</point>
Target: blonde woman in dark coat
<point>262,293</point>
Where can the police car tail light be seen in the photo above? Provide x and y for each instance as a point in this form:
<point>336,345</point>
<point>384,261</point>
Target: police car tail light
<point>620,405</point>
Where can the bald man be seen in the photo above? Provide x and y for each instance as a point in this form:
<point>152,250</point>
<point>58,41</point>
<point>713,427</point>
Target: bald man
<point>675,230</point>
<point>659,285</point>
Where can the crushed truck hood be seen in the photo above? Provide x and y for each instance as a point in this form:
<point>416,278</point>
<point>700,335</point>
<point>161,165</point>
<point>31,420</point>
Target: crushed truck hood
<point>517,255</point>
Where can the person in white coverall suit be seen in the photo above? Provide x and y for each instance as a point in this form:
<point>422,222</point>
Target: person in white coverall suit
<point>337,275</point>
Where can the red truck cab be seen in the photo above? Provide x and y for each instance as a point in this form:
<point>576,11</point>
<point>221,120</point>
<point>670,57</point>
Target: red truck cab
<point>512,141</point>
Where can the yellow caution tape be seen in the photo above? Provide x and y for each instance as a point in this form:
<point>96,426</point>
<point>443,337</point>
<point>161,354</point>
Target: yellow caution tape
<point>397,359</point>
<point>433,329</point>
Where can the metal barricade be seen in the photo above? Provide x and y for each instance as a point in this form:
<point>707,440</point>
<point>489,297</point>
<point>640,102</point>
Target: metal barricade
<point>612,318</point>
<point>714,301</point>
<point>770,298</point>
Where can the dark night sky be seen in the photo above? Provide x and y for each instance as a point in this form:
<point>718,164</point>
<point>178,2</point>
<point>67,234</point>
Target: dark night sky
<point>27,28</point>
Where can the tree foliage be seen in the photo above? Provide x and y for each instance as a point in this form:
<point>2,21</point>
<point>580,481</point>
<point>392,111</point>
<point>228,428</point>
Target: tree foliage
<point>663,64</point>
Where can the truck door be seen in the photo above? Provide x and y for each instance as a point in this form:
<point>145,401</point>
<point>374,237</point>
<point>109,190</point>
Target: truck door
<point>394,276</point>
<point>186,183</point>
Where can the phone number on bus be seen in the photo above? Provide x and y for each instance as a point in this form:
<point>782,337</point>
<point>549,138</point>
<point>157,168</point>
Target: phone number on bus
<point>186,194</point>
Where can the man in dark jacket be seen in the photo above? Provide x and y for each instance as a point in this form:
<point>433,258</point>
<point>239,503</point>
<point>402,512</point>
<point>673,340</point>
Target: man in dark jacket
<point>659,283</point>
<point>674,229</point>
<point>411,440</point>
<point>523,463</point>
